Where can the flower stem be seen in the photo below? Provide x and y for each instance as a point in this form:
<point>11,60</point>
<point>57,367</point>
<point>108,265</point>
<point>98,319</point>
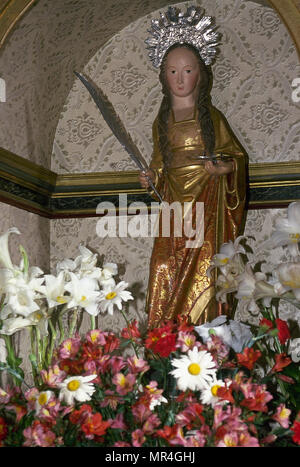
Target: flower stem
<point>52,343</point>
<point>131,338</point>
<point>93,322</point>
<point>73,322</point>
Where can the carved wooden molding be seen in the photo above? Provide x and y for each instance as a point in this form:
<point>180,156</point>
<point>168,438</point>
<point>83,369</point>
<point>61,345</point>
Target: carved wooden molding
<point>10,13</point>
<point>31,187</point>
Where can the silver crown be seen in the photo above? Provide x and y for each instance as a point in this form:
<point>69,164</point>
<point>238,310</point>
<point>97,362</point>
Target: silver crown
<point>175,27</point>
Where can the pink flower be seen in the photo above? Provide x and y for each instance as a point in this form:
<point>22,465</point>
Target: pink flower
<point>118,422</point>
<point>191,416</point>
<point>103,363</point>
<point>185,341</point>
<point>4,396</point>
<point>124,383</point>
<point>137,365</point>
<point>227,420</point>
<point>69,348</point>
<point>229,440</point>
<point>138,438</point>
<point>282,416</point>
<point>39,434</point>
<point>96,337</point>
<point>218,349</point>
<point>141,412</point>
<point>235,439</point>
<point>53,376</point>
<point>111,399</point>
<point>116,364</point>
<point>248,441</point>
<point>18,409</point>
<point>31,396</point>
<point>151,424</point>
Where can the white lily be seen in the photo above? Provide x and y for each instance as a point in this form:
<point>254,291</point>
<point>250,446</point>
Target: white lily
<point>288,229</point>
<point>84,294</point>
<point>109,270</point>
<point>66,265</point>
<point>287,278</point>
<point>54,289</point>
<point>5,258</point>
<point>225,284</point>
<point>229,253</point>
<point>251,288</point>
<point>12,325</point>
<point>114,296</point>
<point>86,264</point>
<point>22,301</point>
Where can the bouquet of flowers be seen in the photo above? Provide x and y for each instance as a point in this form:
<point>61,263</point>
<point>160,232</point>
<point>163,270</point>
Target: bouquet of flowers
<point>224,383</point>
<point>175,389</point>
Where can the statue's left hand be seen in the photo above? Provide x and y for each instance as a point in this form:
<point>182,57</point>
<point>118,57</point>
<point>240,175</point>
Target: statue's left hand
<point>220,168</point>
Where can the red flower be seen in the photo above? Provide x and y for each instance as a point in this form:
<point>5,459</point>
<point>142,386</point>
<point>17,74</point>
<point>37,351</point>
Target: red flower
<point>161,340</point>
<point>225,393</point>
<point>172,434</point>
<point>264,322</point>
<point>283,330</point>
<point>248,357</point>
<point>131,332</point>
<point>3,429</point>
<point>95,425</point>
<point>281,361</point>
<point>78,416</point>
<point>296,429</point>
<point>112,343</point>
<point>184,324</point>
<point>72,367</point>
<point>258,399</point>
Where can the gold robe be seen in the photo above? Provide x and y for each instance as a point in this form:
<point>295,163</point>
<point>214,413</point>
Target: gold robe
<point>178,284</point>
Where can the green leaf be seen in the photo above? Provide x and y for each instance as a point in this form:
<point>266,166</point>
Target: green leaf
<point>17,374</point>
<point>25,259</point>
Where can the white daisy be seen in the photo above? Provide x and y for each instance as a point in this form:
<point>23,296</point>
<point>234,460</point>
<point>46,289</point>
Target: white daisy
<point>76,388</point>
<point>209,392</point>
<point>193,370</point>
<point>111,296</point>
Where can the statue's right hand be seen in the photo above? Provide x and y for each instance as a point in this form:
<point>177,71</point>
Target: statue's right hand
<point>144,177</point>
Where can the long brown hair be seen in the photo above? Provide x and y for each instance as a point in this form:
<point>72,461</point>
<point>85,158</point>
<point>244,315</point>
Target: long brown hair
<point>206,124</point>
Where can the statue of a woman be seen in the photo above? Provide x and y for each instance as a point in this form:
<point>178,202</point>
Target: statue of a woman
<point>196,158</point>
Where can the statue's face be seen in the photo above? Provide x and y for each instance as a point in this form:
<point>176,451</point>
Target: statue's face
<point>182,72</point>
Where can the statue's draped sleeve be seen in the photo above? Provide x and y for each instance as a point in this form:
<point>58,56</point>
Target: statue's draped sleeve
<point>156,163</point>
